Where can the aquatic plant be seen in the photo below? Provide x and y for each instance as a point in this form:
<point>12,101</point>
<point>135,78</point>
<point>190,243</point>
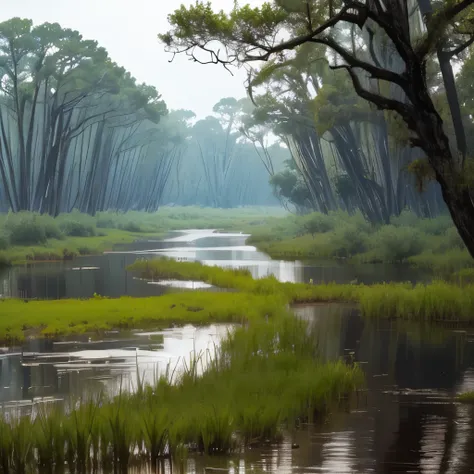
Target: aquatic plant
<point>264,376</point>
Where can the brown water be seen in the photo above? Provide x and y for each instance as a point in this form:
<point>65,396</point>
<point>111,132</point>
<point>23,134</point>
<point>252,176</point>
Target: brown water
<point>406,421</point>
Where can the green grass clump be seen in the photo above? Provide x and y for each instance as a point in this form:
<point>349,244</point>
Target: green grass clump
<point>53,317</point>
<point>445,263</point>
<point>463,277</point>
<point>264,377</point>
<point>466,397</point>
<point>438,301</point>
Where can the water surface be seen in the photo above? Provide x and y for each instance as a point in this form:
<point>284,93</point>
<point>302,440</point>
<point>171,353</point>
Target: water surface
<point>406,421</point>
<point>106,274</point>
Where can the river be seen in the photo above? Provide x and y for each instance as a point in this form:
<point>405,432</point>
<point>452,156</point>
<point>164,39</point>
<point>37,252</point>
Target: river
<point>406,421</point>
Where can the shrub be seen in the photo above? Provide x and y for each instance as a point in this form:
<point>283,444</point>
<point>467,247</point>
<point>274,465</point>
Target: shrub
<point>132,227</point>
<point>437,226</point>
<point>453,239</point>
<point>396,244</point>
<point>3,241</point>
<point>25,228</point>
<point>348,240</point>
<point>76,229</point>
<point>105,221</point>
<point>317,223</point>
<point>51,227</point>
<point>405,219</point>
<point>77,224</point>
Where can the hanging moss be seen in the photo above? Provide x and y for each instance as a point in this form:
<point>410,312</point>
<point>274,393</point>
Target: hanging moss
<point>422,171</point>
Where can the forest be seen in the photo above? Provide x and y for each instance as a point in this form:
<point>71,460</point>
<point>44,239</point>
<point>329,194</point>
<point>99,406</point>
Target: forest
<point>76,128</point>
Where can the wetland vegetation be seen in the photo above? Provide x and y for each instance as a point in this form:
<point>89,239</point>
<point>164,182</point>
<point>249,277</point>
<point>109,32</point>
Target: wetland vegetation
<point>316,163</point>
<point>265,377</point>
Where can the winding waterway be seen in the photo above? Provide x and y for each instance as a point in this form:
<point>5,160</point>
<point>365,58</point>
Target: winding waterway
<point>406,421</point>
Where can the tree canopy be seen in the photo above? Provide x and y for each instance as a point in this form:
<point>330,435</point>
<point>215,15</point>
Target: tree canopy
<point>387,49</point>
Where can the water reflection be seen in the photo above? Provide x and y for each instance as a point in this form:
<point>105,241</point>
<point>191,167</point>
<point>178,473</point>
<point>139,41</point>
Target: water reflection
<point>79,366</point>
<point>107,275</point>
<point>406,421</point>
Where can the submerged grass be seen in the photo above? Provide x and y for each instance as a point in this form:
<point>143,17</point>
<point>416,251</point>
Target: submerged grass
<point>265,377</point>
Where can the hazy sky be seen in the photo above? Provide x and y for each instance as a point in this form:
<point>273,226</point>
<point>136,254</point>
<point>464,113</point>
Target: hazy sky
<point>128,29</point>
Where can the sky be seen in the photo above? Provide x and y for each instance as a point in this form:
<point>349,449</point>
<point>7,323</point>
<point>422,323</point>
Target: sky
<point>128,30</point>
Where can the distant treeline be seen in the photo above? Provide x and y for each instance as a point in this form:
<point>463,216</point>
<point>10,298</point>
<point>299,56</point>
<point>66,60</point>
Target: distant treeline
<point>78,132</point>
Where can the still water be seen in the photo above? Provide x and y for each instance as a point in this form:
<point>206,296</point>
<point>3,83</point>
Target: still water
<point>106,274</point>
<point>406,421</point>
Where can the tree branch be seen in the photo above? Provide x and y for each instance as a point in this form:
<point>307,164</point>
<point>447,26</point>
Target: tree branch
<point>381,102</point>
<point>375,71</point>
<point>460,48</point>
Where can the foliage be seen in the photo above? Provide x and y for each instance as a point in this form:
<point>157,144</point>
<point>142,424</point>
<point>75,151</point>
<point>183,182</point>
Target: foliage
<point>317,224</point>
<point>431,243</point>
<point>392,67</point>
<point>75,233</point>
<point>397,244</point>
<point>25,229</point>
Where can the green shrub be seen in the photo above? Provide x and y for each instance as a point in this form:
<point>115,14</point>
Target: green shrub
<point>348,240</point>
<point>105,221</point>
<point>405,219</point>
<point>132,227</point>
<point>317,223</point>
<point>51,227</point>
<point>77,224</point>
<point>76,229</point>
<point>396,244</point>
<point>453,239</point>
<point>4,243</point>
<point>25,228</point>
<point>437,226</point>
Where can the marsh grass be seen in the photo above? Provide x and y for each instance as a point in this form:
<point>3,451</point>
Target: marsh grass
<point>55,317</point>
<point>67,248</point>
<point>437,301</point>
<point>466,397</point>
<point>254,300</point>
<point>27,236</point>
<point>430,243</point>
<point>264,377</point>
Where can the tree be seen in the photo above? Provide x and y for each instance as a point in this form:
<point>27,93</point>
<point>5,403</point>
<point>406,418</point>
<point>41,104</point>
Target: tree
<point>74,125</point>
<point>256,35</point>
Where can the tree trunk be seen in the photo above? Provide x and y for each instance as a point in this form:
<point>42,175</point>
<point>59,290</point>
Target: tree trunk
<point>461,208</point>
